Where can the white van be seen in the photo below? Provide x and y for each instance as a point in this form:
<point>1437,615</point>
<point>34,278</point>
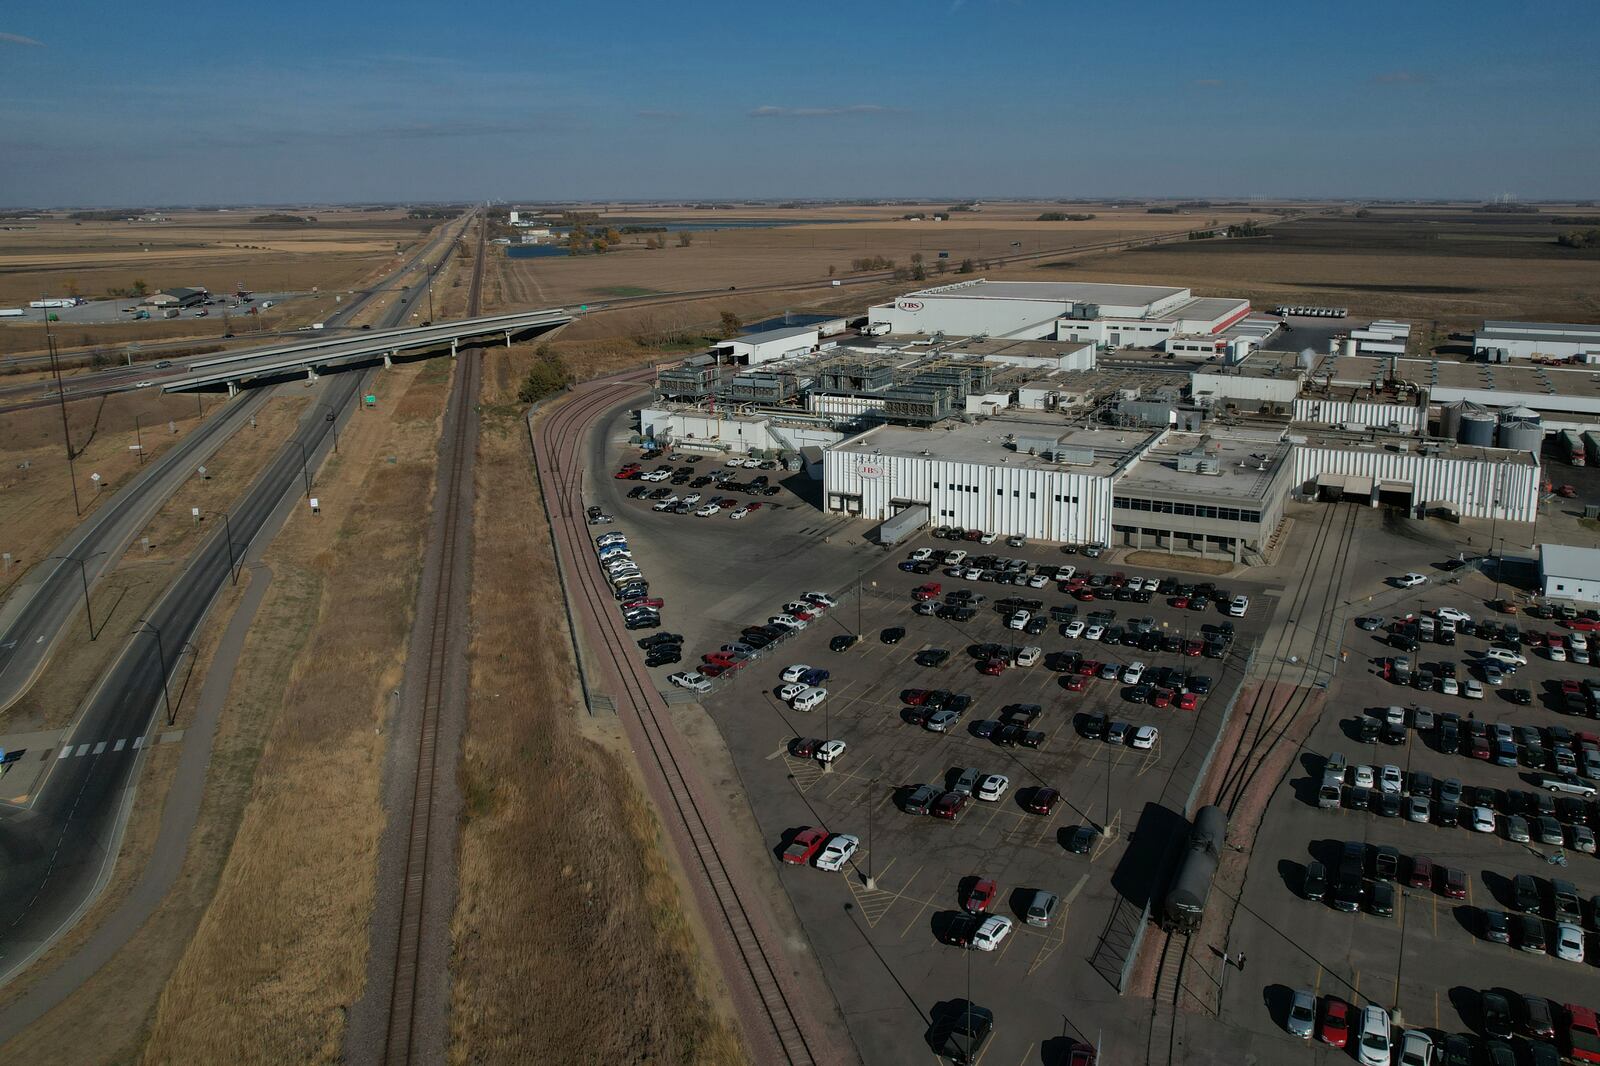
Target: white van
<point>809,699</point>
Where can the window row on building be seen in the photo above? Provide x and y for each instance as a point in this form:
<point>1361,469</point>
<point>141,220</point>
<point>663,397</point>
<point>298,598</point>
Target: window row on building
<point>1193,510</point>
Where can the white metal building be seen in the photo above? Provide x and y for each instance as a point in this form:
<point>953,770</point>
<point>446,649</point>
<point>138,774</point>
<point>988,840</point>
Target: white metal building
<point>1025,310</point>
<point>1569,573</point>
<point>1473,482</point>
<point>764,347</point>
<point>733,431</point>
<point>970,477</point>
<point>1550,340</point>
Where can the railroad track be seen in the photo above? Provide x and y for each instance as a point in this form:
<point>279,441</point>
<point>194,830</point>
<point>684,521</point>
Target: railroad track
<point>1325,568</point>
<point>456,470</point>
<point>767,1006</point>
<point>1161,1039</point>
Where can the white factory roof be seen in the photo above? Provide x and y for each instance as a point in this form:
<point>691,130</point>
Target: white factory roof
<point>769,336</point>
<point>985,443</point>
<point>1564,560</point>
<point>1506,326</point>
<point>1246,460</point>
<point>1201,307</point>
<point>1086,292</point>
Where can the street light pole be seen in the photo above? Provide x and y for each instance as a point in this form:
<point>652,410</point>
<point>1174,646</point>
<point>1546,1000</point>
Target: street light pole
<point>161,657</point>
<point>83,573</point>
<point>872,804</point>
<point>305,464</point>
<point>227,528</point>
<point>138,438</point>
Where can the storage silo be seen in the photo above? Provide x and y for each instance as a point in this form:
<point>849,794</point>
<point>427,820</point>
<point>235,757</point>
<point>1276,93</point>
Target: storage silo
<point>1477,429</point>
<point>1450,419</point>
<point>1519,414</point>
<point>1522,436</point>
<point>1351,346</point>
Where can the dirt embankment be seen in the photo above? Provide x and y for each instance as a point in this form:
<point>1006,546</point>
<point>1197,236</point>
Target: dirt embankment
<point>552,813</point>
<point>281,950</point>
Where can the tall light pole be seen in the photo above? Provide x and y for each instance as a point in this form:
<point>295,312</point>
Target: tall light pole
<point>872,803</point>
<point>333,418</point>
<point>83,572</point>
<point>61,399</point>
<point>161,657</point>
<point>227,528</point>
<point>138,438</point>
<point>305,464</point>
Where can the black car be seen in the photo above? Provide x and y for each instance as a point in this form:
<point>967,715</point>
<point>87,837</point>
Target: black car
<point>1449,735</point>
<point>660,638</point>
<point>1347,893</point>
<point>984,728</point>
<point>1314,884</point>
<point>1387,804</point>
<point>1008,735</point>
<point>1359,799</point>
<point>643,621</point>
<point>1447,814</point>
<point>1459,1050</point>
<point>1525,894</point>
<point>1529,933</point>
<point>1495,1014</point>
<point>1081,842</point>
<point>892,635</point>
<point>1495,926</point>
<point>1022,713</point>
<point>638,492</point>
<point>1139,693</point>
<point>757,640</point>
<point>928,656</point>
<point>1093,726</point>
<point>1199,684</point>
<point>1517,695</point>
<point>1393,733</point>
<point>1380,900</point>
<point>664,656</point>
<point>1367,729</point>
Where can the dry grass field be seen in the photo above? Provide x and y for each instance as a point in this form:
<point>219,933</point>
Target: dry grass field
<point>343,250</point>
<point>615,975</point>
<point>830,238</point>
<point>36,508</point>
<point>1453,267</point>
<point>216,250</point>
<point>281,950</point>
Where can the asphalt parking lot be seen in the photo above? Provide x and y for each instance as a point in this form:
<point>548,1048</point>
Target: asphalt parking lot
<point>881,946</point>
<point>1429,960</point>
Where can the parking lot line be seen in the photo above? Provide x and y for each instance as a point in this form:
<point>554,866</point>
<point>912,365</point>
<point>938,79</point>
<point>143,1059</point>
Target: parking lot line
<point>1027,1056</point>
<point>1316,986</point>
<point>1436,916</point>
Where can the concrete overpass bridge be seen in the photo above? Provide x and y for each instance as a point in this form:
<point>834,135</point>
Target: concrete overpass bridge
<point>314,355</point>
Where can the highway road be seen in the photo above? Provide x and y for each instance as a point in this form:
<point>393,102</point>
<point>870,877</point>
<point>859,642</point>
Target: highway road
<point>118,379</point>
<point>56,851</point>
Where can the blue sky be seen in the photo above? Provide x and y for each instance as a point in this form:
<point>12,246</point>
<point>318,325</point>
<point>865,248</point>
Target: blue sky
<point>366,101</point>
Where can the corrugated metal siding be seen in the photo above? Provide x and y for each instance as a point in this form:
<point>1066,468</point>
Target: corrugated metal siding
<point>1340,412</point>
<point>1003,500</point>
<point>1471,485</point>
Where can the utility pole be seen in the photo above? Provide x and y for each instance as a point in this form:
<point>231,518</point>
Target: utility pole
<point>305,464</point>
<point>138,439</point>
<point>61,399</point>
<point>83,573</point>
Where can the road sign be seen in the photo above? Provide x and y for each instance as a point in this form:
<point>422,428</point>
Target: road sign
<point>370,400</point>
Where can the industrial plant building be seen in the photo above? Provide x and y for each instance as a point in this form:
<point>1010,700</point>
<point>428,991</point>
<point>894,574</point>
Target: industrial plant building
<point>1127,415</point>
<point>1502,341</point>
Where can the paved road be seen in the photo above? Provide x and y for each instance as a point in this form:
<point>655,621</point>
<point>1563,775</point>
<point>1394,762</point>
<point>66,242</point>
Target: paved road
<point>56,852</point>
<point>37,613</point>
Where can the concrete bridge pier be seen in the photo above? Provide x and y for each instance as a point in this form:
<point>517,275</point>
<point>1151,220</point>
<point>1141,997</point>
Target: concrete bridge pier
<point>233,389</point>
<point>453,343</point>
<point>388,360</point>
<point>311,373</point>
<point>508,338</point>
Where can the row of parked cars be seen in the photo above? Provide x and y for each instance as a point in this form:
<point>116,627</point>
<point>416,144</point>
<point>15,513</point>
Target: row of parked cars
<point>1544,1031</point>
<point>640,610</point>
<point>753,640</point>
<point>1568,819</point>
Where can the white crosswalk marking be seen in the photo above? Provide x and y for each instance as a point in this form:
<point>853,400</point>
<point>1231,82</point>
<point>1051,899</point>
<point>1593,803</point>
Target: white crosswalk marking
<point>64,753</point>
<point>120,745</point>
<point>100,747</point>
<point>138,742</point>
<point>82,748</point>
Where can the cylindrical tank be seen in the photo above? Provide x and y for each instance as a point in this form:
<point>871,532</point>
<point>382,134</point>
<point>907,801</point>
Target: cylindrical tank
<point>1450,419</point>
<point>1522,436</point>
<point>1519,414</point>
<point>1477,429</point>
<point>1350,346</point>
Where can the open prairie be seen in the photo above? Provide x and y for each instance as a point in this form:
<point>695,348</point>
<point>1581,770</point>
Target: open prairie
<point>217,250</point>
<point>1453,266</point>
<point>821,239</point>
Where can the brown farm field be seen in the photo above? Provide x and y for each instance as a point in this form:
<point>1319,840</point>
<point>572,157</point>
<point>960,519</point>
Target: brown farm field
<point>738,257</point>
<point>1450,266</point>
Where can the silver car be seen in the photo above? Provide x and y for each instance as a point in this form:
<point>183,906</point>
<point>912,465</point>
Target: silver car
<point>1303,1014</point>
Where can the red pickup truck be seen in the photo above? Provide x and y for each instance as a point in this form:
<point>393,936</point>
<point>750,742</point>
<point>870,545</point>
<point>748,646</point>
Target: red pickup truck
<point>1583,1034</point>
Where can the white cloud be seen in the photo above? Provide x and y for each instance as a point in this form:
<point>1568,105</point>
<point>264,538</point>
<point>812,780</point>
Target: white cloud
<point>769,111</point>
<point>17,38</point>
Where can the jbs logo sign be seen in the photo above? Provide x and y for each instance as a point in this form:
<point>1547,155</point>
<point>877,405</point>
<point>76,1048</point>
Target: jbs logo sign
<point>910,305</point>
<point>869,470</point>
